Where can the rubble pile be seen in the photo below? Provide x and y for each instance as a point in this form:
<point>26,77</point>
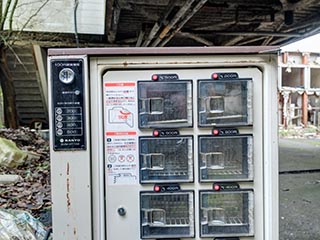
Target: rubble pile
<point>310,132</point>
<point>32,192</point>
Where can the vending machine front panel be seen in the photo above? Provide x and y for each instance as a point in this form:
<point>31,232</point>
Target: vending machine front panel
<point>166,159</point>
<point>225,102</point>
<point>180,144</point>
<point>165,104</point>
<point>167,215</point>
<point>226,158</point>
<point>226,213</point>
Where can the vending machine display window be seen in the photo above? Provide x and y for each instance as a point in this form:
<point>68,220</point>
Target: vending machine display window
<point>166,159</point>
<point>167,215</point>
<point>226,158</point>
<point>226,214</point>
<point>225,102</point>
<point>166,104</point>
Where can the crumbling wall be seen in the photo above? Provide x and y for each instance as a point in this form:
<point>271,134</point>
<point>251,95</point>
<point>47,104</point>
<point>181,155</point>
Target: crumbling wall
<point>299,89</point>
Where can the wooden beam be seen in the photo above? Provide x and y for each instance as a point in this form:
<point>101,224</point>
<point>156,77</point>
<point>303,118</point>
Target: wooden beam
<point>112,20</point>
<point>109,6</point>
<point>214,26</point>
<point>140,38</point>
<point>233,41</point>
<point>159,24</point>
<point>230,33</point>
<point>151,35</point>
<point>42,78</point>
<point>184,21</point>
<point>114,28</point>
<point>183,10</point>
<point>279,41</point>
<point>252,40</point>
<point>196,38</point>
<point>148,2</point>
<point>269,39</point>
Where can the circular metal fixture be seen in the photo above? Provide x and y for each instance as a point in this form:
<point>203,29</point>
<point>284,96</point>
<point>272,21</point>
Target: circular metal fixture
<point>66,75</point>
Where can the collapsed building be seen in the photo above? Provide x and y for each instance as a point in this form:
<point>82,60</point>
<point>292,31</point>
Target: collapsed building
<point>299,89</point>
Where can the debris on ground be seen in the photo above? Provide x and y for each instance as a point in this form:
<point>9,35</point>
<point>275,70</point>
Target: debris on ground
<point>310,132</point>
<point>17,224</point>
<point>32,192</point>
<point>10,155</point>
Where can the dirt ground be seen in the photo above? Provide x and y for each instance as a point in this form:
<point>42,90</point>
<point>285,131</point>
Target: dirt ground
<point>299,190</point>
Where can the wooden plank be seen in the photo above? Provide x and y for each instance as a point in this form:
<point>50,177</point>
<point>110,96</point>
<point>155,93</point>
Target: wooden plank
<point>32,110</point>
<point>28,91</point>
<point>26,117</point>
<point>43,82</point>
<point>22,104</point>
<point>24,76</point>
<point>196,38</point>
<point>28,98</point>
<point>25,84</point>
<point>112,32</point>
<point>181,13</point>
<point>26,68</point>
<point>27,58</point>
<point>185,19</point>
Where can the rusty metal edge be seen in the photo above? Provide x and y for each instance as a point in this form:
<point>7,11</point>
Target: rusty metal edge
<point>163,51</point>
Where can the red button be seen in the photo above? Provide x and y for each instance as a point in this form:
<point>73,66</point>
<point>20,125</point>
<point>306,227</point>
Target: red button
<point>155,77</point>
<point>157,188</point>
<point>215,76</point>
<point>216,187</point>
<point>215,132</point>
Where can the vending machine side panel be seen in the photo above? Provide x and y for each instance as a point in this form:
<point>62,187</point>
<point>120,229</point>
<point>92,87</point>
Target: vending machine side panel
<point>70,151</point>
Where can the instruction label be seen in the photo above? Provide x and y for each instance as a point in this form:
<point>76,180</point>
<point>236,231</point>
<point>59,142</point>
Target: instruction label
<point>121,140</point>
<point>121,158</point>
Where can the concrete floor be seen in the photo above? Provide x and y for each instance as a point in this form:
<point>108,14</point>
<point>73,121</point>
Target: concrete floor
<point>299,192</point>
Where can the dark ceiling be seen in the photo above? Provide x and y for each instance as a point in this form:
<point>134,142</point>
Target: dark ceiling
<point>157,23</point>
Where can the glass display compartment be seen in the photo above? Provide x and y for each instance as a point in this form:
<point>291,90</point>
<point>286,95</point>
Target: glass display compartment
<point>166,159</point>
<point>167,215</point>
<point>165,104</point>
<point>226,158</point>
<point>226,214</point>
<point>225,102</point>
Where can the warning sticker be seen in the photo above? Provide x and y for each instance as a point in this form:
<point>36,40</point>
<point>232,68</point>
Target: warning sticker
<point>121,158</point>
<point>121,140</point>
<point>120,104</point>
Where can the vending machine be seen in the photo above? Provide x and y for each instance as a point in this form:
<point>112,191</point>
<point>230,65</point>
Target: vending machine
<point>164,143</point>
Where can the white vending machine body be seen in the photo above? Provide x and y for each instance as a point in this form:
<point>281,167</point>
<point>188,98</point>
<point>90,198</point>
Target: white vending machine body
<point>170,143</point>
